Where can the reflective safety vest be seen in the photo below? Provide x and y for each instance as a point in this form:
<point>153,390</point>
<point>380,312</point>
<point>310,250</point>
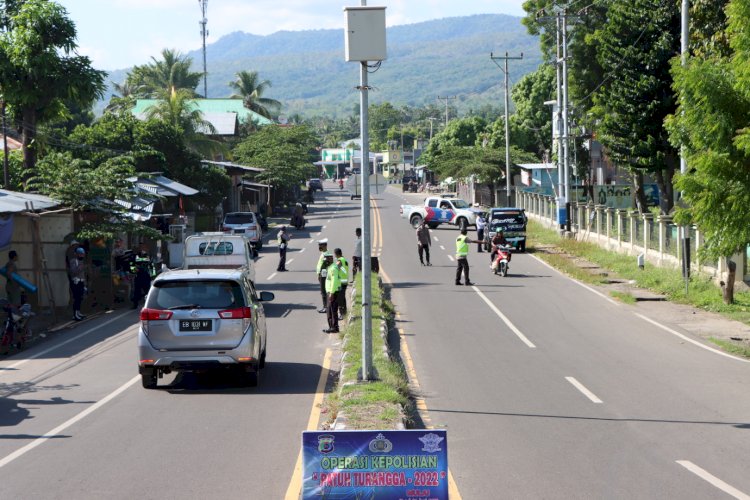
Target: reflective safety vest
<point>343,270</point>
<point>462,247</point>
<point>333,281</point>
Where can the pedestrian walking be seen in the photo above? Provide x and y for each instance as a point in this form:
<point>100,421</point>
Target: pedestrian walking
<point>423,242</point>
<point>333,287</point>
<point>12,287</point>
<point>357,255</point>
<point>322,271</point>
<point>344,277</point>
<point>142,282</point>
<point>481,226</point>
<point>283,240</point>
<point>77,273</point>
<point>462,261</point>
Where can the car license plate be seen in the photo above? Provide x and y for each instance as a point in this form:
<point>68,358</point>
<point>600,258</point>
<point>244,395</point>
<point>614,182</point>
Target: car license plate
<point>239,231</point>
<point>196,325</point>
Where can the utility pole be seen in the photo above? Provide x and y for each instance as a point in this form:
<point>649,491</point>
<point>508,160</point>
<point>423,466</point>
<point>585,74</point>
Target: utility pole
<point>494,59</point>
<point>446,99</point>
<point>204,33</point>
<point>684,53</point>
<point>432,120</point>
<point>6,180</point>
<point>566,118</point>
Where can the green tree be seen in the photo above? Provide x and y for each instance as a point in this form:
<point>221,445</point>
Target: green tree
<point>531,124</point>
<point>286,154</point>
<point>712,123</point>
<point>464,132</point>
<point>39,70</point>
<point>171,72</point>
<point>381,118</point>
<point>250,88</point>
<point>635,47</point>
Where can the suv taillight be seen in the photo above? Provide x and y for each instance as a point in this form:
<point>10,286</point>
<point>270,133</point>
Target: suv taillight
<point>238,313</point>
<point>155,314</point>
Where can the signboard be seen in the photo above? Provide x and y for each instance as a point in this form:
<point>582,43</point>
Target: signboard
<point>383,465</point>
<point>394,156</point>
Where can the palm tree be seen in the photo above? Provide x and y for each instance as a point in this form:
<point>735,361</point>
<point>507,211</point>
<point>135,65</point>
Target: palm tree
<point>123,100</point>
<point>172,71</point>
<point>177,108</point>
<point>250,89</point>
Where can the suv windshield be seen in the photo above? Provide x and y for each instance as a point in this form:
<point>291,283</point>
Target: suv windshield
<point>201,294</point>
<point>246,218</point>
<point>460,204</point>
<point>507,221</point>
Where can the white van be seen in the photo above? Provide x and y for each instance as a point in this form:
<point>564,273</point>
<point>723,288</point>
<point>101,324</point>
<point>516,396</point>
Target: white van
<point>218,251</point>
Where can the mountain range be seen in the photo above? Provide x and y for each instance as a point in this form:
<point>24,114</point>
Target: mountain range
<point>444,57</point>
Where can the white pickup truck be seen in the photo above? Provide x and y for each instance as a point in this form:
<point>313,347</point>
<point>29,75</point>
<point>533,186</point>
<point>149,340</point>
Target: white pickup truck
<point>218,251</point>
<point>438,210</point>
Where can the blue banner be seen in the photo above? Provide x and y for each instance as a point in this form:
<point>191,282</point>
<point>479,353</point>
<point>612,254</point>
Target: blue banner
<point>382,465</point>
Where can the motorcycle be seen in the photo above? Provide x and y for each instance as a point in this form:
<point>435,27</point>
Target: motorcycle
<point>16,330</point>
<point>501,261</point>
<point>341,183</point>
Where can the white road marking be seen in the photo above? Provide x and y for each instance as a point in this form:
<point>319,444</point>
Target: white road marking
<point>505,319</point>
<point>583,390</point>
<point>57,430</point>
<point>715,481</point>
<point>451,258</point>
<point>611,301</point>
<point>436,238</point>
<point>57,346</point>
<point>442,247</point>
<point>688,339</point>
<point>323,228</point>
<point>311,241</point>
<point>290,261</point>
<point>271,277</point>
<point>302,249</point>
<point>329,220</point>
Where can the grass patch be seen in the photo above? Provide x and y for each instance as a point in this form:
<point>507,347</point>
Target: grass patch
<point>377,404</point>
<point>732,347</point>
<point>627,298</point>
<point>703,293</point>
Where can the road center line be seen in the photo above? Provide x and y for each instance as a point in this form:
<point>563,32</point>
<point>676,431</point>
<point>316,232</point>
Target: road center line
<point>302,249</point>
<point>324,226</point>
<point>57,430</point>
<point>57,346</point>
<point>295,484</point>
<point>505,319</point>
<point>688,339</point>
<point>290,261</point>
<point>451,258</point>
<point>442,247</point>
<point>311,241</point>
<point>436,238</point>
<point>583,390</point>
<point>271,277</point>
<point>715,481</point>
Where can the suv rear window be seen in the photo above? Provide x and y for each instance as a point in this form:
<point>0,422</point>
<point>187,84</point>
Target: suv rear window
<point>247,218</point>
<point>202,294</point>
<point>214,248</point>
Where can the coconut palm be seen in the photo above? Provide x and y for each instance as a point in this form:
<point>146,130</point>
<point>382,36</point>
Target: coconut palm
<point>124,97</point>
<point>172,71</point>
<point>250,89</point>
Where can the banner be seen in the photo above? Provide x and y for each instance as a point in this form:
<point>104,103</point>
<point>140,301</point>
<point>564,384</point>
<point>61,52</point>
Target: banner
<point>382,465</point>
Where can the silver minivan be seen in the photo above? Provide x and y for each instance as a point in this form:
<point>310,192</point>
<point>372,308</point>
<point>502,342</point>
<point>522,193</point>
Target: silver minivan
<point>201,319</point>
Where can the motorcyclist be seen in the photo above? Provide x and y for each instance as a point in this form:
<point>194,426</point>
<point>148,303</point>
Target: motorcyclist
<point>497,241</point>
<point>341,183</point>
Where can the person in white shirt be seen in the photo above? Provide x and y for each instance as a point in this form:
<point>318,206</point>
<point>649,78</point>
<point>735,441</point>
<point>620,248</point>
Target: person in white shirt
<point>481,226</point>
<point>357,254</point>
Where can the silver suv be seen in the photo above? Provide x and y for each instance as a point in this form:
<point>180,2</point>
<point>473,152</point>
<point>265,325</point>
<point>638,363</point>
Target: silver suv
<point>246,224</point>
<point>202,319</point>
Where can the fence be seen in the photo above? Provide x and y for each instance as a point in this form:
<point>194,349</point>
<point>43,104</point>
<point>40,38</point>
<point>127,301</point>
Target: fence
<point>628,232</point>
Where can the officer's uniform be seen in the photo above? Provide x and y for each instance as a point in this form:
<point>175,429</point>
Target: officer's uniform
<point>283,240</point>
<point>142,281</point>
<point>333,287</point>
<point>321,271</point>
<point>462,251</point>
<point>481,226</point>
<point>344,277</point>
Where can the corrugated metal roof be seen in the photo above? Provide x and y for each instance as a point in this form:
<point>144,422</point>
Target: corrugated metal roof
<point>14,202</point>
<point>537,166</point>
<point>229,164</point>
<point>224,123</point>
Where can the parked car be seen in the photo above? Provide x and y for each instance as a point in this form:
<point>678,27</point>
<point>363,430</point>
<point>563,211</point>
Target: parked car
<point>315,184</point>
<point>246,224</point>
<point>440,210</point>
<point>202,319</point>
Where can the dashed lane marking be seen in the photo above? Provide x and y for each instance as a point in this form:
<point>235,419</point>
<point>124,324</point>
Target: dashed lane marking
<point>715,481</point>
<point>290,261</point>
<point>451,258</point>
<point>442,247</point>
<point>583,390</point>
<point>271,277</point>
<point>504,319</point>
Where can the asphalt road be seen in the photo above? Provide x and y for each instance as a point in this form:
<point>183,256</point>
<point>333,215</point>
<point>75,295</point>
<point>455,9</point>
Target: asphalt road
<point>547,389</point>
<point>75,422</point>
<point>551,390</point>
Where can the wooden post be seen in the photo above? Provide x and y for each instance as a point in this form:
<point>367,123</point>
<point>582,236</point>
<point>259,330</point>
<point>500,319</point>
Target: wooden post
<point>728,287</point>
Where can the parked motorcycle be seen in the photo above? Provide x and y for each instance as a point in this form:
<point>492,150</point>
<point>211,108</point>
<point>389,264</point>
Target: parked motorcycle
<point>500,263</point>
<point>16,330</point>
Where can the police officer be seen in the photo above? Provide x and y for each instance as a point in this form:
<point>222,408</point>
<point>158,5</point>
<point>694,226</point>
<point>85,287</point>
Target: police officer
<point>344,277</point>
<point>142,282</point>
<point>481,226</point>
<point>321,270</point>
<point>283,240</point>
<point>333,288</point>
<point>462,253</point>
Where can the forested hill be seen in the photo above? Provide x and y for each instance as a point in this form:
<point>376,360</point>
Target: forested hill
<point>445,57</point>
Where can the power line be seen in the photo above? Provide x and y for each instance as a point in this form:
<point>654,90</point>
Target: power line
<point>446,99</point>
<point>494,59</point>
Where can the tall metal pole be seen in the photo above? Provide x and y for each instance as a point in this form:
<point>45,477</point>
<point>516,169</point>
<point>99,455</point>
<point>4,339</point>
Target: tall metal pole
<point>367,373</point>
<point>506,57</point>
<point>6,177</point>
<point>566,142</point>
<point>204,33</point>
<point>446,99</point>
<point>560,168</point>
<point>684,52</point>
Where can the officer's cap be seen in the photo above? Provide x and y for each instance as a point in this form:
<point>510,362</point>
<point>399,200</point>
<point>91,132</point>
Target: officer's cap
<point>324,241</point>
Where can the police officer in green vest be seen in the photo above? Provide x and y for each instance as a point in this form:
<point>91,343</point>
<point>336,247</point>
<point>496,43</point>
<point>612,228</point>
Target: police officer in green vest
<point>462,252</point>
<point>344,276</point>
<point>333,288</point>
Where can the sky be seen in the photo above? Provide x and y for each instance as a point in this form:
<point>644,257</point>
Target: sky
<point>118,34</point>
